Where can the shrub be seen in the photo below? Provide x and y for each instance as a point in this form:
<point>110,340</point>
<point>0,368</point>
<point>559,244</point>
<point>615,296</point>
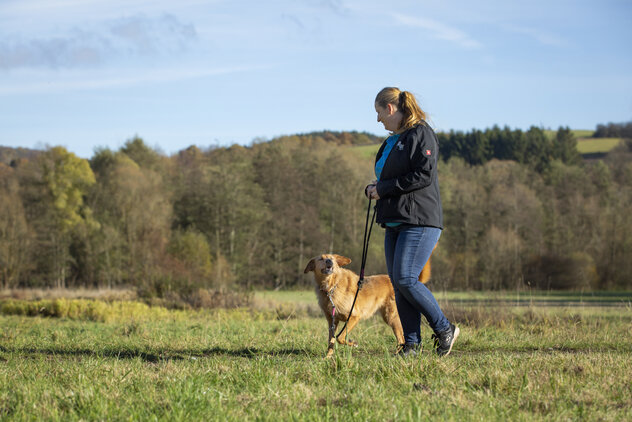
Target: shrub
<point>86,310</point>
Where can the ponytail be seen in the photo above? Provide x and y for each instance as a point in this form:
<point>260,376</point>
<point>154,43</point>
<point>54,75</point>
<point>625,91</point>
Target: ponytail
<point>413,114</point>
<point>406,103</point>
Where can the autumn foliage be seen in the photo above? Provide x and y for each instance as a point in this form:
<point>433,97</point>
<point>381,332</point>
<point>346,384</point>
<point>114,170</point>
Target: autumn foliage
<point>252,216</point>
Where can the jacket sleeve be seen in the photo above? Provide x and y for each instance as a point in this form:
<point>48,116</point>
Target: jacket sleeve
<point>422,161</point>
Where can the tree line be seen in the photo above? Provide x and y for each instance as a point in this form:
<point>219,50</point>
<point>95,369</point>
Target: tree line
<point>532,147</point>
<point>252,216</point>
<point>614,130</point>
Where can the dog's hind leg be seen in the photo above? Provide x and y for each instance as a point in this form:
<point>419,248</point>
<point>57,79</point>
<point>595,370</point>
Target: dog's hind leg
<point>350,324</point>
<point>391,317</point>
<point>396,325</point>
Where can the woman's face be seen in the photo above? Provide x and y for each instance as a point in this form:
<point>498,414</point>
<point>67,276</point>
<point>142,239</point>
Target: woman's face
<point>389,116</point>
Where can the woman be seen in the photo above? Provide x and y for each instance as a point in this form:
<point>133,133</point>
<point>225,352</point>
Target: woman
<point>409,207</point>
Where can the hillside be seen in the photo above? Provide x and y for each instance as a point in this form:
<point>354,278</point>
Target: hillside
<point>588,145</point>
<point>597,145</point>
<point>252,216</point>
<point>9,154</point>
<point>366,144</point>
<point>335,137</point>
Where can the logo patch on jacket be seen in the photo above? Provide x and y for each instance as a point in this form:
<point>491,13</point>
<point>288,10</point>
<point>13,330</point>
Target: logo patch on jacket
<point>400,146</point>
<point>428,152</point>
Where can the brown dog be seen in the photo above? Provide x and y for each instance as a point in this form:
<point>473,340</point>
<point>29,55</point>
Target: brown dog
<point>337,285</point>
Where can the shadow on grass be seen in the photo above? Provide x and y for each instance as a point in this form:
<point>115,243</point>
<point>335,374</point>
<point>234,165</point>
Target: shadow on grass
<point>254,353</point>
<point>158,356</point>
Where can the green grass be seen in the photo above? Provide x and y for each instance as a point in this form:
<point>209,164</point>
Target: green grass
<point>510,363</point>
<point>594,145</point>
<point>579,133</point>
<point>523,297</point>
<point>367,151</point>
<point>287,296</point>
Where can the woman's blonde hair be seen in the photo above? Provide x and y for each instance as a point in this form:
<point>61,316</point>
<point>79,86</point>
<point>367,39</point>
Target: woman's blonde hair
<point>406,103</point>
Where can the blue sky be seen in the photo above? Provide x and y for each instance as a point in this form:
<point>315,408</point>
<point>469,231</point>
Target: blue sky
<point>95,73</point>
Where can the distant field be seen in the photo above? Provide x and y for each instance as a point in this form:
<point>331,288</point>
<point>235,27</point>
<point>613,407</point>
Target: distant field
<point>367,151</point>
<point>579,133</point>
<point>567,360</point>
<point>585,144</point>
<point>296,296</point>
<point>583,133</point>
<point>525,297</point>
<point>593,145</point>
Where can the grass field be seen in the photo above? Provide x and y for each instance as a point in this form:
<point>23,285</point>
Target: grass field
<point>580,133</point>
<point>593,145</point>
<point>367,151</point>
<point>518,358</point>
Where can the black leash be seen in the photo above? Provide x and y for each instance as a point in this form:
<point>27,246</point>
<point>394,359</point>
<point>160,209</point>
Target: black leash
<point>365,252</point>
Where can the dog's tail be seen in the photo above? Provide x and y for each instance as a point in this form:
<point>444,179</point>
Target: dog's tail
<point>424,276</point>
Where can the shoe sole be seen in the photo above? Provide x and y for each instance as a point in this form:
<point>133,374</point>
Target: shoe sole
<point>457,331</point>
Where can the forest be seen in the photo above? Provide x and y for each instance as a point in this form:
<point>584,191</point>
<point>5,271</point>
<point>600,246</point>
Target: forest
<point>521,209</point>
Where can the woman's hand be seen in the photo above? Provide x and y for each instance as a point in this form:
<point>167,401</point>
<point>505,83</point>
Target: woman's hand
<point>371,192</point>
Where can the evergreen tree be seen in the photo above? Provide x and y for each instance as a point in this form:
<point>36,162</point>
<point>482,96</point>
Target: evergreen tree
<point>565,147</point>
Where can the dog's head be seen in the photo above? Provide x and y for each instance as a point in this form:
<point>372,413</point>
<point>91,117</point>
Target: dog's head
<point>326,264</point>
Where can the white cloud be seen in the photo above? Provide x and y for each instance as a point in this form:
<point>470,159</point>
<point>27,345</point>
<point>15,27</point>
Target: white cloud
<point>42,82</point>
<point>124,37</point>
<point>439,30</point>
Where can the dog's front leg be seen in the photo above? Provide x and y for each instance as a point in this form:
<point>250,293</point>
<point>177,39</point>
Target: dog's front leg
<point>343,336</point>
<point>332,336</point>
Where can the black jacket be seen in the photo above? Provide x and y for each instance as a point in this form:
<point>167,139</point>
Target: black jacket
<point>408,186</point>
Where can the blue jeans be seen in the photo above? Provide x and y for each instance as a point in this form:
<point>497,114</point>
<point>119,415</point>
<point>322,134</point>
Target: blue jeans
<point>407,250</point>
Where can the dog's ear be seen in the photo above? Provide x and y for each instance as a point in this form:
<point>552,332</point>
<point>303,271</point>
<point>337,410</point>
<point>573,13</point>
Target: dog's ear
<point>310,266</point>
<point>342,260</point>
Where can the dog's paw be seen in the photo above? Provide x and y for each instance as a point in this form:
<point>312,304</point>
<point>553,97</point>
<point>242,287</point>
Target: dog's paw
<point>352,343</point>
<point>330,354</point>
